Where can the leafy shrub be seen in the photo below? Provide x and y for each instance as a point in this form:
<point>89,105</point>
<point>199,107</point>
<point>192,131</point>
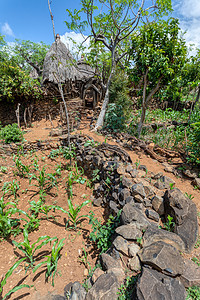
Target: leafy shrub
<point>194,143</point>
<point>102,234</point>
<point>11,133</point>
<point>126,290</point>
<point>114,118</point>
<point>193,293</point>
<point>119,92</point>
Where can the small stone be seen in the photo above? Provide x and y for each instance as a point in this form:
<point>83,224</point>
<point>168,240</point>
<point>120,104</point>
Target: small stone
<point>113,207</point>
<point>108,261</point>
<point>138,198</point>
<point>126,182</point>
<point>153,215</point>
<point>121,245</point>
<point>118,272</point>
<point>196,182</point>
<point>85,273</point>
<point>158,205</point>
<point>157,175</point>
<point>133,249</point>
<point>97,273</point>
<point>97,202</point>
<point>134,264</point>
<point>129,232</point>
<point>164,182</point>
<point>138,189</point>
<point>147,203</point>
<point>191,274</point>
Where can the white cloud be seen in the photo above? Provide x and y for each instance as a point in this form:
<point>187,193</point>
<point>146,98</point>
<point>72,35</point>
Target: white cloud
<point>192,34</point>
<point>70,39</point>
<point>190,8</point>
<point>6,29</point>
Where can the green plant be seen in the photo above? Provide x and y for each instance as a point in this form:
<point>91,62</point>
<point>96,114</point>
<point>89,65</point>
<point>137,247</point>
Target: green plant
<point>11,133</point>
<point>126,289</point>
<point>44,181</point>
<point>8,224</point>
<point>3,281</point>
<point>197,243</point>
<point>29,250</point>
<point>91,143</point>
<point>52,260</point>
<point>73,213</point>
<point>102,234</point>
<point>189,196</point>
<point>139,240</point>
<point>170,224</point>
<point>84,259</point>
<point>39,207</point>
<point>22,170</point>
<point>114,118</point>
<point>196,260</point>
<point>11,188</point>
<point>193,293</point>
<point>3,169</point>
<point>137,164</point>
<point>171,186</point>
<point>95,175</point>
<point>193,145</point>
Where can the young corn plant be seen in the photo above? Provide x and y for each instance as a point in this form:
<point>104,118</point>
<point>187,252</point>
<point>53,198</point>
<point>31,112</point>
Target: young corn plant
<point>3,281</point>
<point>29,250</point>
<point>11,188</point>
<point>39,207</point>
<point>73,214</point>
<point>8,224</point>
<point>22,170</point>
<point>52,260</point>
<point>44,181</point>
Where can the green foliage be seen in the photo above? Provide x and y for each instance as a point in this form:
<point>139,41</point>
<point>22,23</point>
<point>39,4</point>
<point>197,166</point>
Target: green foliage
<point>22,170</point>
<point>102,234</point>
<point>169,225</point>
<point>52,260</point>
<point>15,82</point>
<point>29,250</point>
<point>4,281</point>
<point>11,134</point>
<point>114,118</point>
<point>193,145</point>
<point>73,214</point>
<point>11,188</point>
<point>126,289</point>
<point>196,261</point>
<point>8,224</point>
<point>193,293</point>
<point>3,169</point>
<point>119,92</point>
<point>44,181</point>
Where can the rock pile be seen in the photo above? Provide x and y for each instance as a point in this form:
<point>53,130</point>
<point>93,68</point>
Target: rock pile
<point>146,201</point>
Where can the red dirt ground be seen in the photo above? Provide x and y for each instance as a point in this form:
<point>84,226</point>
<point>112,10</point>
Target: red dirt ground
<point>69,266</point>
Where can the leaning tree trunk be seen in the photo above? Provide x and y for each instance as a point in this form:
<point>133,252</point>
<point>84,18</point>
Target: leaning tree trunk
<point>146,100</point>
<point>106,99</point>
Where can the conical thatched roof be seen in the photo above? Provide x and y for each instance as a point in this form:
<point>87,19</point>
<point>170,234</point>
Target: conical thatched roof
<point>65,64</point>
<point>87,72</point>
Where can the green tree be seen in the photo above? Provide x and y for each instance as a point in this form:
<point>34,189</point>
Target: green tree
<point>111,23</point>
<point>158,53</point>
<point>14,82</point>
<point>30,55</point>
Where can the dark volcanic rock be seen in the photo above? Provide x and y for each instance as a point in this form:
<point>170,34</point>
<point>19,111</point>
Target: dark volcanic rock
<point>75,291</point>
<point>163,257</point>
<point>153,215</point>
<point>153,285</point>
<point>105,288</point>
<point>129,231</point>
<point>132,214</point>
<point>191,274</point>
<point>184,212</point>
<point>108,262</point>
<point>164,182</point>
<point>138,189</point>
<point>154,234</point>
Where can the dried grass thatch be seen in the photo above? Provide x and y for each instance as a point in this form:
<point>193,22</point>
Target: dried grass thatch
<point>59,60</point>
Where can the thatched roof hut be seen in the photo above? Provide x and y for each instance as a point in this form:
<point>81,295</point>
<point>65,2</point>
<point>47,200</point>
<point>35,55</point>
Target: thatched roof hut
<point>87,72</point>
<point>58,58</point>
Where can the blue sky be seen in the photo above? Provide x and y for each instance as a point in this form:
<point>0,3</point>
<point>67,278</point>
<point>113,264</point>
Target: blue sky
<point>30,20</point>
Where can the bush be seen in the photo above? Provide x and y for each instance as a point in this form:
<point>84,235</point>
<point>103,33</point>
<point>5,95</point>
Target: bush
<point>11,133</point>
<point>193,293</point>
<point>194,143</point>
<point>114,118</point>
<point>119,92</point>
